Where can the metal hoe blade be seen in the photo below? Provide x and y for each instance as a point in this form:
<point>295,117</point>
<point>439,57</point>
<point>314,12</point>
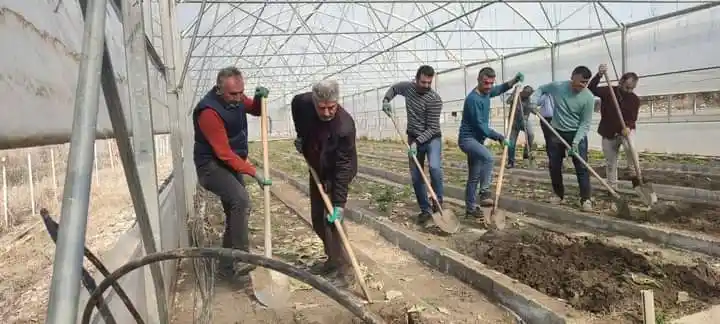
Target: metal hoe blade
<point>446,220</point>
<point>496,220</point>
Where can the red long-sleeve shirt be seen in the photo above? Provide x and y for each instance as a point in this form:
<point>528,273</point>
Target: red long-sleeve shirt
<point>213,127</point>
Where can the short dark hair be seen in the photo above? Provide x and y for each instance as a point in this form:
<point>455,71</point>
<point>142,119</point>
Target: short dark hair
<point>583,71</point>
<point>629,76</point>
<point>425,70</point>
<point>487,72</point>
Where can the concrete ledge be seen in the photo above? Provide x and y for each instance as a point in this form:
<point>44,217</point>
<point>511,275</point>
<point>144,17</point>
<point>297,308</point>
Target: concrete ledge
<point>528,303</point>
<point>667,192</point>
<point>689,241</point>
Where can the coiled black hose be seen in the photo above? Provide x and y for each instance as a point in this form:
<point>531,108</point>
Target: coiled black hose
<point>340,296</point>
<point>52,228</point>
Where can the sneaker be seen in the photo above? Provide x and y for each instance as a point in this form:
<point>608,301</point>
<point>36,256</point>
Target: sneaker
<point>586,205</point>
<point>423,218</point>
<point>477,213</point>
<point>485,199</point>
<point>510,165</point>
<point>556,200</point>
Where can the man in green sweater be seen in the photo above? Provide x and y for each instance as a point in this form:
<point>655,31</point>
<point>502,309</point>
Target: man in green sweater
<point>571,119</point>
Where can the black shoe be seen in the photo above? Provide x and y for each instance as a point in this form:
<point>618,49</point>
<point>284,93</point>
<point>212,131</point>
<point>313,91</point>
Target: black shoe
<point>235,276</point>
<point>323,269</point>
<point>341,278</point>
<point>243,269</point>
<point>423,218</point>
<point>485,199</point>
<point>510,165</point>
<point>475,214</point>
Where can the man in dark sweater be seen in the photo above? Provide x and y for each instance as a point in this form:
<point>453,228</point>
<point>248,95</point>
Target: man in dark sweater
<point>220,156</point>
<point>423,107</point>
<point>326,138</point>
<point>612,132</point>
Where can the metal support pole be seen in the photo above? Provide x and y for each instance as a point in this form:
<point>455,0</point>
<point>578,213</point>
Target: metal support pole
<point>623,50</point>
<point>65,283</point>
<point>502,77</point>
<point>173,102</point>
<point>555,55</point>
<point>140,105</point>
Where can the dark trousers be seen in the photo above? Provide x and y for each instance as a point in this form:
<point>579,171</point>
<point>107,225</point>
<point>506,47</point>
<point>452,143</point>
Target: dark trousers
<point>547,134</point>
<point>230,187</point>
<point>326,231</point>
<point>556,153</point>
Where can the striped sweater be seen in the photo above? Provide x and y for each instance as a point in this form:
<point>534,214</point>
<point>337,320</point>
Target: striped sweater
<point>423,111</point>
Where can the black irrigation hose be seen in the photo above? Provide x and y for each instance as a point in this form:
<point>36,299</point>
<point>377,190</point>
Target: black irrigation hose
<point>52,228</point>
<point>340,296</point>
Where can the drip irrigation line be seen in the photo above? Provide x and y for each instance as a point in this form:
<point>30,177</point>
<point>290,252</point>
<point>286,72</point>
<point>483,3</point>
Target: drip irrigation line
<point>340,296</point>
<point>52,228</point>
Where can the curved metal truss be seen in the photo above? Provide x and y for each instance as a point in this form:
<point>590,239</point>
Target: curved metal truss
<point>365,44</point>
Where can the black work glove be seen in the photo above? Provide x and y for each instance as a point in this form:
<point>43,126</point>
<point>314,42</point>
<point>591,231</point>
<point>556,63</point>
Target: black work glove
<point>299,145</point>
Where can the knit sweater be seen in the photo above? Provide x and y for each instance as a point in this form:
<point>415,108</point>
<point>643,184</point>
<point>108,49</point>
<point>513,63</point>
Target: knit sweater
<point>423,110</point>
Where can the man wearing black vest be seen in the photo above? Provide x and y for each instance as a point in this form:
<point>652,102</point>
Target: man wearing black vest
<point>220,156</point>
<point>326,138</point>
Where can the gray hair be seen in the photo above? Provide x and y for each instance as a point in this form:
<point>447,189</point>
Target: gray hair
<point>326,90</point>
<point>225,73</point>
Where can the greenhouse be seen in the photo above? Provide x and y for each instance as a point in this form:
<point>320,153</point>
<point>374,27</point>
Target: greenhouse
<point>101,134</point>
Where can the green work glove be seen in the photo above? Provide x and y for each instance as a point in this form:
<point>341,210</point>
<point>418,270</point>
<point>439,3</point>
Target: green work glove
<point>262,182</point>
<point>261,92</point>
<point>519,77</point>
<point>506,143</point>
<point>387,109</point>
<point>336,215</point>
<point>573,150</point>
<point>412,150</point>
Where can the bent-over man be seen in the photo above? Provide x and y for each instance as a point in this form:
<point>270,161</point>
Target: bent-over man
<point>423,107</point>
<point>474,130</point>
<point>326,138</point>
<point>220,155</point>
<point>572,116</point>
<point>521,124</point>
<point>612,132</point>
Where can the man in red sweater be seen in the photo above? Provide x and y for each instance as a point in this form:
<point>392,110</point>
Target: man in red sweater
<point>610,128</point>
<point>220,156</point>
<point>326,138</point>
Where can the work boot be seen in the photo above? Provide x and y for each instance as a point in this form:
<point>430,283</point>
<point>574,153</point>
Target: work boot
<point>477,213</point>
<point>323,268</point>
<point>423,218</point>
<point>342,278</point>
<point>485,199</point>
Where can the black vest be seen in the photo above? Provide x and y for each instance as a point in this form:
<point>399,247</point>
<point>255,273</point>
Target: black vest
<point>235,121</point>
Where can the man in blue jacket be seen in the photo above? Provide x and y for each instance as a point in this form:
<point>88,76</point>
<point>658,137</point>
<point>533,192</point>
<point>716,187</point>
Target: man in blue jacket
<point>474,129</point>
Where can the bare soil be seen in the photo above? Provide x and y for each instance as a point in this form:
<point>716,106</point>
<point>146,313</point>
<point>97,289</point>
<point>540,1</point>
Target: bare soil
<point>387,271</point>
<point>593,276</point>
<point>697,217</point>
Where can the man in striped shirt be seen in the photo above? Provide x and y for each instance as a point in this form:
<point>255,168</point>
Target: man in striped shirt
<point>423,106</point>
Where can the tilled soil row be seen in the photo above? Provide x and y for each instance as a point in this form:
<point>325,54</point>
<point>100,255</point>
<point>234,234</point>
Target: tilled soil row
<point>680,178</point>
<point>590,272</point>
<point>401,286</point>
<point>698,217</point>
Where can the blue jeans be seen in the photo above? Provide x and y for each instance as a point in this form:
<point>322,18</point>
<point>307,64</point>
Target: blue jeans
<point>530,137</point>
<point>432,149</point>
<point>557,152</point>
<point>480,169</point>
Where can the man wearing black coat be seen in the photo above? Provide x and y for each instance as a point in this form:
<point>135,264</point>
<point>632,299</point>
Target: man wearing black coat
<point>326,138</point>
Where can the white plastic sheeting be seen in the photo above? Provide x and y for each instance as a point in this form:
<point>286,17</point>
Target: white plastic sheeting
<point>38,73</point>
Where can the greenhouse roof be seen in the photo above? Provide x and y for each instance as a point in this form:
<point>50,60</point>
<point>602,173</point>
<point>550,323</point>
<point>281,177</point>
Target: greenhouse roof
<point>287,45</point>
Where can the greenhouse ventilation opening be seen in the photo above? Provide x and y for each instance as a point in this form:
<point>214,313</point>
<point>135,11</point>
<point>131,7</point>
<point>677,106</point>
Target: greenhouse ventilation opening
<point>159,57</point>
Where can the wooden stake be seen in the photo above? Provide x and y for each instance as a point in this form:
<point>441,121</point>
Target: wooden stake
<point>648,304</point>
